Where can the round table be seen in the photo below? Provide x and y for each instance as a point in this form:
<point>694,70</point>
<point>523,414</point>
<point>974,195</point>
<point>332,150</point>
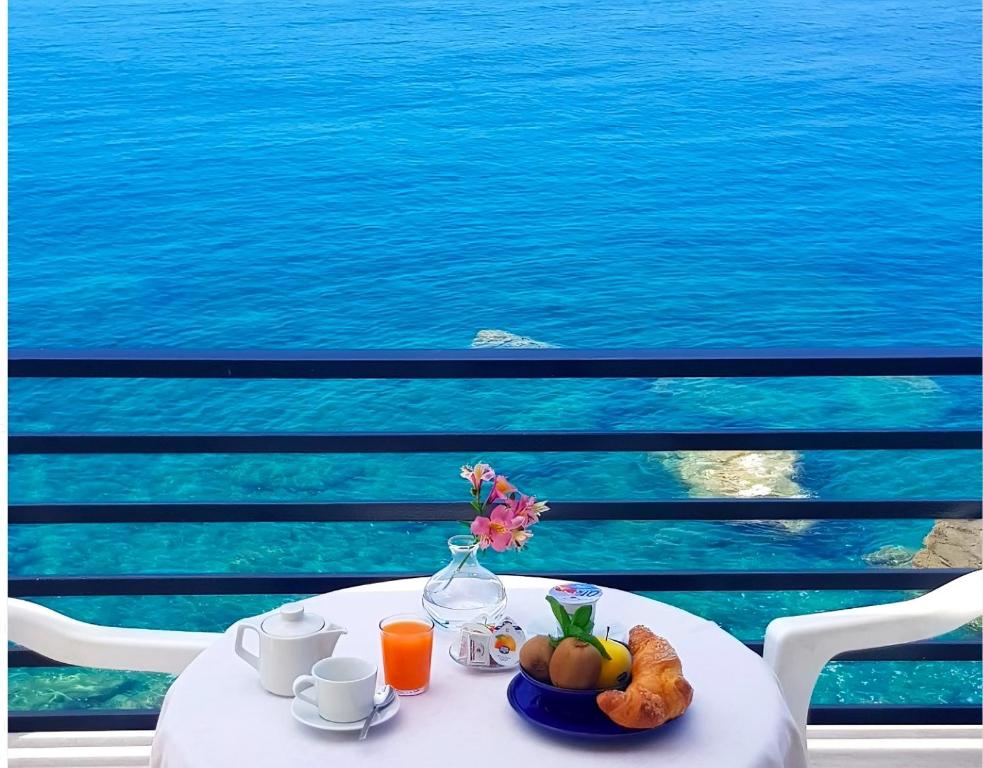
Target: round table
<point>216,713</point>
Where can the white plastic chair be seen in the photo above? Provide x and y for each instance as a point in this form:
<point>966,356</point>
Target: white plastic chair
<point>63,639</point>
<point>798,647</point>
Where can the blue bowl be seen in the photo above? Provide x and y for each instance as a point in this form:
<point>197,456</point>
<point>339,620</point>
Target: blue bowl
<point>538,706</point>
<point>565,699</point>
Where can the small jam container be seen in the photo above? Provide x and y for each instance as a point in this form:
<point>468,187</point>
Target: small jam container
<point>574,596</point>
<point>509,638</point>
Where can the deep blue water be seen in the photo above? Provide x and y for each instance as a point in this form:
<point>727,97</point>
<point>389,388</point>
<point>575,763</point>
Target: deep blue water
<point>406,174</point>
<point>595,174</point>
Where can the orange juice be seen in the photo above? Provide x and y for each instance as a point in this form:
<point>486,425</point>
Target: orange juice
<point>407,645</point>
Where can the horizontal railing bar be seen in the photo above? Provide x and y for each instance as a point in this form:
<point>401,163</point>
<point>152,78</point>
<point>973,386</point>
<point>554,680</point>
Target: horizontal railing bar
<point>274,584</point>
<point>676,509</point>
<point>146,720</point>
<point>491,363</point>
<point>492,442</point>
<point>933,650</point>
<point>894,714</point>
<point>40,721</point>
<point>21,657</point>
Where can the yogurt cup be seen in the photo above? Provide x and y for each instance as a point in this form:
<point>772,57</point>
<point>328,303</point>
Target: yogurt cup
<point>576,595</point>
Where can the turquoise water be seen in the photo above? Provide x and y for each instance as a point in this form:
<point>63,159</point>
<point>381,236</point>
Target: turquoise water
<point>407,174</point>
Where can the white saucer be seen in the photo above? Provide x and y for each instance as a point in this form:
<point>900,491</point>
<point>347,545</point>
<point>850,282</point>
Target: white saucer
<point>306,714</point>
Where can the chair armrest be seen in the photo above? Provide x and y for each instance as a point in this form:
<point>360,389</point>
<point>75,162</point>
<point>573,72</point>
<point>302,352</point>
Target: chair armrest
<point>798,647</point>
<point>74,642</point>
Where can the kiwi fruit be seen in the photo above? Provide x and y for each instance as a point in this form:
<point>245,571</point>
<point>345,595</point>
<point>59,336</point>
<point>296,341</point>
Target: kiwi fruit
<point>575,664</point>
<point>534,657</point>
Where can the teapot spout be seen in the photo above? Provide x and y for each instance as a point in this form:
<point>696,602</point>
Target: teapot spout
<point>330,638</point>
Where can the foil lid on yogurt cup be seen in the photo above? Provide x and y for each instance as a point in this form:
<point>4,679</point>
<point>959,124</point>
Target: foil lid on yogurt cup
<point>576,594</point>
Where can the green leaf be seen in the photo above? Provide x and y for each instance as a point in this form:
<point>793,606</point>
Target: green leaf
<point>562,617</point>
<point>587,637</point>
<point>582,618</point>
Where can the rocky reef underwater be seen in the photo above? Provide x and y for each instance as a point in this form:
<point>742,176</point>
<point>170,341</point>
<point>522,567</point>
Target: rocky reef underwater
<point>774,474</point>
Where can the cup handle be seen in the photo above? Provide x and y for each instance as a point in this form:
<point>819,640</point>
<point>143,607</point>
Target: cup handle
<point>380,695</point>
<point>250,658</point>
<point>302,685</point>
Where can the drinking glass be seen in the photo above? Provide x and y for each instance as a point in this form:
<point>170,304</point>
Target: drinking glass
<point>407,647</point>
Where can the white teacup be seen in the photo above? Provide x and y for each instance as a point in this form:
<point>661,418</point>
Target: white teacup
<point>341,687</point>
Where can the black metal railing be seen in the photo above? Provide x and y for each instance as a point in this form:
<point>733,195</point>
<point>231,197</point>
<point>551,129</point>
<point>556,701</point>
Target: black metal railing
<point>500,364</point>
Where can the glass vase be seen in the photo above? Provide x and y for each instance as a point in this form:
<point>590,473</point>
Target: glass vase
<point>464,591</point>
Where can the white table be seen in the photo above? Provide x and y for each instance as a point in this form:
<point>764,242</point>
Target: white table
<point>216,714</point>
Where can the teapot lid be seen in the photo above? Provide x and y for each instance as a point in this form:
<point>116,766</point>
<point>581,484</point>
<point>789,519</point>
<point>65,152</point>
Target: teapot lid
<point>292,621</point>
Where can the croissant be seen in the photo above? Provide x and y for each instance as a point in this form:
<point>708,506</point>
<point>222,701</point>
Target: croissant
<point>658,691</point>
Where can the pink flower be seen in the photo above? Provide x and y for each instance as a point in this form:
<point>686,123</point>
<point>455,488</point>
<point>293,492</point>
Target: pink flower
<point>506,514</point>
<point>536,508</point>
<point>527,509</point>
<point>476,474</point>
<point>500,490</point>
<point>496,530</point>
<point>519,507</point>
<point>519,537</point>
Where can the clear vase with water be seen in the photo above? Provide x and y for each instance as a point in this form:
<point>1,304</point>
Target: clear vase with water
<point>464,591</point>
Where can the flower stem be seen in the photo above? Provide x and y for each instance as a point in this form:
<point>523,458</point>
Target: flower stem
<point>460,565</point>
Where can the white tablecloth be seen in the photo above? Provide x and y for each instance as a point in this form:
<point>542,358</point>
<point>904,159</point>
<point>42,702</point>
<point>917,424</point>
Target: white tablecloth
<point>217,715</point>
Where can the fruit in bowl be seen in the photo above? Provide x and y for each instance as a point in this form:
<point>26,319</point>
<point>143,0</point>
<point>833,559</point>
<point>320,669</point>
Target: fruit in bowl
<point>616,670</point>
<point>535,656</point>
<point>614,673</point>
<point>638,686</point>
<point>575,664</point>
<point>577,660</point>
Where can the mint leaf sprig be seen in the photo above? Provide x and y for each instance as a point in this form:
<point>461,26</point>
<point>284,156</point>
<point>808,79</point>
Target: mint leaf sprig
<point>578,626</point>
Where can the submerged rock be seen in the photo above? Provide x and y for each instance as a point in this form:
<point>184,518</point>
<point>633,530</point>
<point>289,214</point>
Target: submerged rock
<point>741,474</point>
<point>35,688</point>
<point>951,544</point>
<point>721,474</point>
<point>890,556</point>
<point>496,338</point>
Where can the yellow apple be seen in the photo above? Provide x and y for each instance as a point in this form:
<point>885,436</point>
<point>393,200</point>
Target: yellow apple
<point>616,670</point>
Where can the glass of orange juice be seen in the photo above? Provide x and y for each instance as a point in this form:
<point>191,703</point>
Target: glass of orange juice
<point>407,646</point>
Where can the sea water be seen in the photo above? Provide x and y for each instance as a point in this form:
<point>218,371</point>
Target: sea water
<point>409,174</point>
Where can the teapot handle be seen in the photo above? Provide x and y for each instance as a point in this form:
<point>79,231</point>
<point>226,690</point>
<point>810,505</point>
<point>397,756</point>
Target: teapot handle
<point>250,658</point>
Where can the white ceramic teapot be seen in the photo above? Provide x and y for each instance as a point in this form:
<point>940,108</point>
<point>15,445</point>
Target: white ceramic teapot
<point>291,640</point>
